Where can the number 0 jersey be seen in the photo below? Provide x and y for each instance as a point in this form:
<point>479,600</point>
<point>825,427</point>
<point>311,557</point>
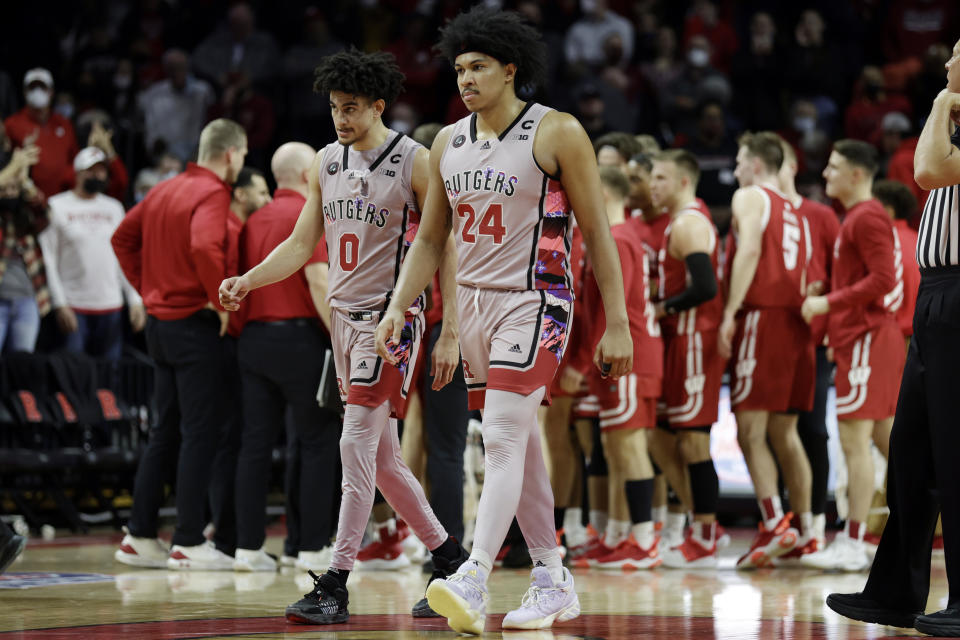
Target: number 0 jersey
<point>511,219</point>
<point>370,218</point>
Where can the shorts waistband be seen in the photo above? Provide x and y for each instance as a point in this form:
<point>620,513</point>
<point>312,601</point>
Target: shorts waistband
<point>940,274</point>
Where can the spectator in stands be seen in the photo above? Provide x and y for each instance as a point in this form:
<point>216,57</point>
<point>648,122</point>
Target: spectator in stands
<point>698,83</point>
<point>412,46</point>
<point>172,248</point>
<point>925,86</point>
<point>716,151</point>
<point>591,110</point>
<point>870,103</point>
<point>586,37</point>
<point>24,297</point>
<point>816,71</point>
<point>96,127</point>
<point>913,25</point>
<point>8,96</point>
<point>237,46</point>
<point>899,202</point>
<point>242,103</point>
<point>175,109</point>
<point>51,132</point>
<point>87,287</point>
<point>665,68</point>
<point>898,145</point>
<point>757,74</point>
<point>704,20</point>
<point>307,115</point>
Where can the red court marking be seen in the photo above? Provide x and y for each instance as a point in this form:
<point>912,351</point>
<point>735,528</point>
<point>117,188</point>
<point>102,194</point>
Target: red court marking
<point>608,627</point>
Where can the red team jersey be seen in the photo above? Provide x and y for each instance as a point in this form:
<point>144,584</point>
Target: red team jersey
<point>824,227</point>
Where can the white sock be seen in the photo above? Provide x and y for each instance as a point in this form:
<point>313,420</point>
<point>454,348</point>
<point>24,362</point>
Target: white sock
<point>482,558</point>
<point>643,534</point>
<point>659,514</point>
<point>551,560</point>
<point>674,524</point>
<point>599,520</point>
<point>806,525</point>
<point>617,532</point>
<point>820,526</point>
<point>771,511</point>
<point>573,527</point>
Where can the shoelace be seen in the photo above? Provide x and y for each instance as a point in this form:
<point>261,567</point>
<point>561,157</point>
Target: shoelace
<point>537,594</point>
<point>318,590</point>
<point>471,584</point>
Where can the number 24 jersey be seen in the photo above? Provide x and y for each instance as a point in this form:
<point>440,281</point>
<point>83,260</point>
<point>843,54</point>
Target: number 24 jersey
<point>511,219</point>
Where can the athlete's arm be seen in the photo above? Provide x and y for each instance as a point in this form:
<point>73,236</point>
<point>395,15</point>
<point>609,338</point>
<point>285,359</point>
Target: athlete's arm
<point>425,253</point>
<point>747,208</point>
<point>289,256</point>
<point>562,148</point>
<point>317,274</point>
<point>690,240</point>
<point>936,162</point>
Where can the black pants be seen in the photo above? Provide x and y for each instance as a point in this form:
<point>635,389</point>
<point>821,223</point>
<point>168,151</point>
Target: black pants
<point>280,365</point>
<point>222,506</point>
<point>189,400</point>
<point>445,418</point>
<point>812,428</point>
<point>924,468</point>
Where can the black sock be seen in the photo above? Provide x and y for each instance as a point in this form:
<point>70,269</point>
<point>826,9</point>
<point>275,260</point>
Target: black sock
<point>340,575</point>
<point>449,550</point>
<point>558,514</point>
<point>705,486</point>
<point>815,444</point>
<point>639,499</point>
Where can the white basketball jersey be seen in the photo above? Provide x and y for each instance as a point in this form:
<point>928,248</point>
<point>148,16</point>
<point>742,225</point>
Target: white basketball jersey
<point>511,220</point>
<point>370,218</point>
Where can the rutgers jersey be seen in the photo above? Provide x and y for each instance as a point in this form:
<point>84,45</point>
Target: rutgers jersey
<point>370,217</point>
<point>786,247</point>
<point>511,219</point>
<point>674,280</point>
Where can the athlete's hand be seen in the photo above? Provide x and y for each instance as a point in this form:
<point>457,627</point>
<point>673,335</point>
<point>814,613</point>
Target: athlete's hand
<point>571,380</point>
<point>444,360</point>
<point>232,291</point>
<point>814,306</point>
<point>816,288</point>
<point>725,338</point>
<point>391,324</point>
<point>614,354</point>
<point>952,101</point>
<point>224,317</point>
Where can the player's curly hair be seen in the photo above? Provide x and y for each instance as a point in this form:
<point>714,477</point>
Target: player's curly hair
<point>372,75</point>
<point>503,35</point>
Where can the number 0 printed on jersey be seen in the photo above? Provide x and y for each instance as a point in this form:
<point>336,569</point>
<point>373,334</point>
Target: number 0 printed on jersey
<point>349,251</point>
<point>491,223</point>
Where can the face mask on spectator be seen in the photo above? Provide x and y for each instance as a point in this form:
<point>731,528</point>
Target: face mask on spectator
<point>804,124</point>
<point>94,185</point>
<point>65,109</point>
<point>698,58</point>
<point>38,98</point>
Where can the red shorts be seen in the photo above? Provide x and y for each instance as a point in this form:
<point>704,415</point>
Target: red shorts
<point>693,374</point>
<point>868,374</point>
<point>774,362</point>
<point>510,340</point>
<point>628,403</point>
<point>363,377</point>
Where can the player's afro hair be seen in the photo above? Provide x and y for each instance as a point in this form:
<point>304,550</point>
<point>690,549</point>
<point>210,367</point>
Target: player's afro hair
<point>372,75</point>
<point>502,35</point>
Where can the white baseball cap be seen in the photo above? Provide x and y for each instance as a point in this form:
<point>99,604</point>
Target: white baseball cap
<point>38,74</point>
<point>87,158</point>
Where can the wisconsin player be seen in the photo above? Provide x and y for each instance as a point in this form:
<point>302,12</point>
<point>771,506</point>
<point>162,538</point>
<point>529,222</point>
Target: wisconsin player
<point>865,337</point>
<point>506,178</point>
<point>627,408</point>
<point>773,357</point>
<point>690,315</point>
<point>365,194</point>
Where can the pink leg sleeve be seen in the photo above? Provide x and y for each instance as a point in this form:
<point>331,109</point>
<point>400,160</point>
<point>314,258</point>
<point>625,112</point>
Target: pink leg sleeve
<point>401,489</point>
<point>535,511</point>
<point>508,421</point>
<point>362,429</point>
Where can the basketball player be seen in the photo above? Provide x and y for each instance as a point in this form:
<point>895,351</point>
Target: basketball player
<point>366,193</point>
<point>812,425</point>
<point>690,315</point>
<point>772,351</point>
<point>506,178</point>
<point>865,337</point>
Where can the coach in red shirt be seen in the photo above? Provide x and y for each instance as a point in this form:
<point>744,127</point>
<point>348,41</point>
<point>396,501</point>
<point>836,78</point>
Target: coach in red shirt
<point>173,249</point>
<point>281,356</point>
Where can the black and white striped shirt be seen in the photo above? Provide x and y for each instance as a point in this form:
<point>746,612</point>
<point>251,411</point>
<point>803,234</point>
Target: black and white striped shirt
<point>938,242</point>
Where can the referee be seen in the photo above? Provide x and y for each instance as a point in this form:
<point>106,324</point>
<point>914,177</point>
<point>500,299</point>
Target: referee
<point>923,474</point>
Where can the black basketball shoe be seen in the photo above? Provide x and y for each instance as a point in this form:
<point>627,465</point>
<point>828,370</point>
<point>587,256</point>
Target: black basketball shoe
<point>326,604</point>
<point>443,568</point>
<point>10,549</point>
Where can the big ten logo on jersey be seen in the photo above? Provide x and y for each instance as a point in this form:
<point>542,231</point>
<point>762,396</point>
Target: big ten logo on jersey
<point>357,209</point>
<point>526,125</point>
<point>394,159</point>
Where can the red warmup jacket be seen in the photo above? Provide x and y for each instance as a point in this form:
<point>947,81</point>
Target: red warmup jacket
<point>173,245</point>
